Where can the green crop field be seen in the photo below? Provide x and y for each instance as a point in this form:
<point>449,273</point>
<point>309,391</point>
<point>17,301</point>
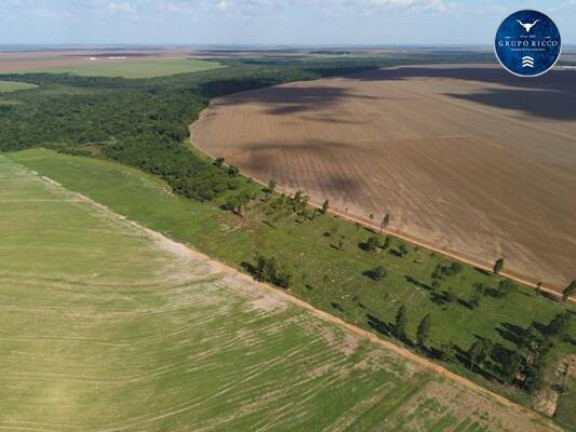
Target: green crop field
<point>325,275</point>
<point>105,327</point>
<point>133,70</point>
<point>10,86</point>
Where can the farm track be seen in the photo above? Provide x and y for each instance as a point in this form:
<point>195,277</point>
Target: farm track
<point>221,268</point>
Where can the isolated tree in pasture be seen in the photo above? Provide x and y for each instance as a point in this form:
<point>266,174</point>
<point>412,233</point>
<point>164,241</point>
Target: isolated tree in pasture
<point>271,186</point>
<point>267,270</point>
<point>283,279</point>
<point>539,286</point>
<point>378,273</point>
<point>498,266</point>
<point>238,203</point>
<point>385,222</point>
<point>423,331</point>
<point>512,366</point>
<point>476,354</point>
<point>505,287</point>
<point>400,323</point>
<point>558,326</point>
<point>569,291</point>
<point>386,244</point>
<point>372,244</point>
<point>233,171</point>
<point>402,249</point>
<point>325,207</point>
<point>454,269</point>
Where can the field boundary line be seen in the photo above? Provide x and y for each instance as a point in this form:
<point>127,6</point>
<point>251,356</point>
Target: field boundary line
<point>225,269</point>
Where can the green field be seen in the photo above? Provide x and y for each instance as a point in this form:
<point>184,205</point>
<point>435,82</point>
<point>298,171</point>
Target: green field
<point>12,86</point>
<point>566,413</point>
<point>105,327</point>
<point>133,70</point>
<point>324,276</point>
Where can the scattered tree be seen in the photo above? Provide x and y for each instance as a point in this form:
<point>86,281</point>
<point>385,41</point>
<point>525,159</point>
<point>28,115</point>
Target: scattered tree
<point>386,244</point>
<point>233,171</point>
<point>423,331</point>
<point>385,222</point>
<point>238,203</point>
<point>267,270</point>
<point>271,186</point>
<point>454,269</point>
<point>476,353</point>
<point>512,366</point>
<point>539,286</point>
<point>372,244</point>
<point>219,162</point>
<point>498,266</point>
<point>325,207</point>
<point>402,249</point>
<point>558,326</point>
<point>400,323</point>
<point>505,286</point>
<point>569,291</point>
<point>378,273</point>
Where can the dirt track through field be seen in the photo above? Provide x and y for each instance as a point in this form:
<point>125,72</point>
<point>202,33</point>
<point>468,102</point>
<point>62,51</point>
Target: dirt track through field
<point>468,160</point>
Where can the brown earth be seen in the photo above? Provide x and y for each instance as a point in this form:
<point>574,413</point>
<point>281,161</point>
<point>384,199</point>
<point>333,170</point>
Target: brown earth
<point>468,159</point>
<point>29,61</point>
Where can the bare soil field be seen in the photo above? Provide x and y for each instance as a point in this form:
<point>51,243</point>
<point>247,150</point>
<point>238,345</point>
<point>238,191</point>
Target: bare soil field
<point>467,159</point>
<point>15,62</point>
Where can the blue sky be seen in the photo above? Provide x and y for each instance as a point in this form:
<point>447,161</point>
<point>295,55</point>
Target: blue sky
<point>375,22</point>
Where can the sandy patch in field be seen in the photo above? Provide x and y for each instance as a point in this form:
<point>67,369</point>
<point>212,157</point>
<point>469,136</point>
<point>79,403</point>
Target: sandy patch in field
<point>466,159</point>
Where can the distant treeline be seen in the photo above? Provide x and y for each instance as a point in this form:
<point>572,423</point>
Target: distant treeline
<point>144,123</point>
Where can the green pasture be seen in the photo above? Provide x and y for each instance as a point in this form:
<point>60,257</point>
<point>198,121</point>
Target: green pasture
<point>12,86</point>
<point>132,69</point>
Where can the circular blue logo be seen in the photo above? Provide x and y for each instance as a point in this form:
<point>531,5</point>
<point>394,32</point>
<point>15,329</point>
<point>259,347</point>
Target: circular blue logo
<point>528,43</point>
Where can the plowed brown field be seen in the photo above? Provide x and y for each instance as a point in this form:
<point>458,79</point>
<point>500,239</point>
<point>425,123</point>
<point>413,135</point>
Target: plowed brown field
<point>465,158</point>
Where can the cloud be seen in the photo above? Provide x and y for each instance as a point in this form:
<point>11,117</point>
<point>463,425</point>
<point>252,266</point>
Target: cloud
<point>122,8</point>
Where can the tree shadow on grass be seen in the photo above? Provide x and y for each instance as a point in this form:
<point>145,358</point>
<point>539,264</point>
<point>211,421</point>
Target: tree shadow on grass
<point>379,325</point>
<point>417,283</point>
<point>513,333</point>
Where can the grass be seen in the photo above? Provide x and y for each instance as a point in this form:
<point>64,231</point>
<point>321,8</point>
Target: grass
<point>104,329</point>
<point>328,278</point>
<point>12,86</point>
<point>133,70</point>
<point>566,412</point>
